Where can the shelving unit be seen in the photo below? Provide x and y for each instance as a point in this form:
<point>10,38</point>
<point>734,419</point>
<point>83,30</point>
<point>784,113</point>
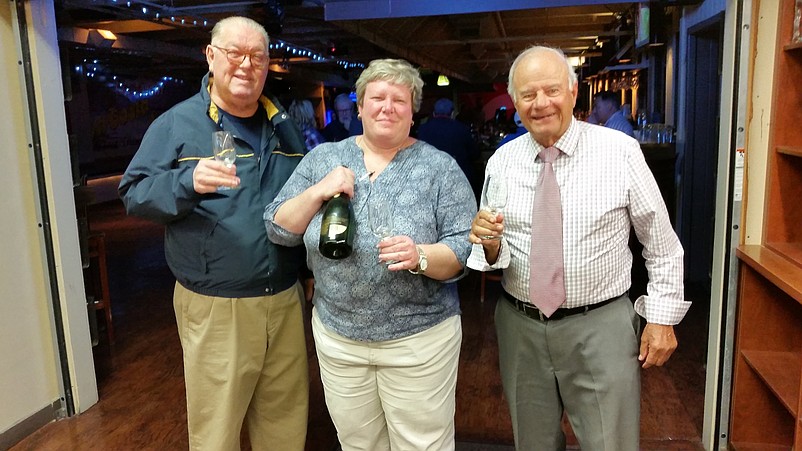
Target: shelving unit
<point>766,402</point>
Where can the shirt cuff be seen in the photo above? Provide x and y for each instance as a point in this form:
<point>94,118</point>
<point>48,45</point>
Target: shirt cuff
<point>478,261</point>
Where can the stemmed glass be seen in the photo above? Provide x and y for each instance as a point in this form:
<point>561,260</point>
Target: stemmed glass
<point>380,217</point>
<point>494,197</point>
<point>224,151</point>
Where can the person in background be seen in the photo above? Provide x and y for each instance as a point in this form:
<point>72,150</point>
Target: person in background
<point>451,136</point>
<point>344,124</point>
<point>386,319</point>
<point>519,131</point>
<point>626,111</point>
<point>302,112</point>
<point>567,330</point>
<point>237,298</point>
<point>607,111</point>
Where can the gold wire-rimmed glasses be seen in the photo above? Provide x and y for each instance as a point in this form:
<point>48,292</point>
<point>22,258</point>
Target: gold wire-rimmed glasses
<point>234,56</point>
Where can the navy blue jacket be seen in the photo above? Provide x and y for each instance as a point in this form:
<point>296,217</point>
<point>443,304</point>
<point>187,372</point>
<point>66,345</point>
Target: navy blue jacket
<point>216,244</point>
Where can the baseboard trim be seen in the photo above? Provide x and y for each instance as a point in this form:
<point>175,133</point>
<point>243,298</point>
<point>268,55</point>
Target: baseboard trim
<point>30,425</point>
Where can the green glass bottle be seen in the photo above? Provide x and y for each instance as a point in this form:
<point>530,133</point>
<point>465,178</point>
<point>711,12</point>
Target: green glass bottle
<point>337,228</point>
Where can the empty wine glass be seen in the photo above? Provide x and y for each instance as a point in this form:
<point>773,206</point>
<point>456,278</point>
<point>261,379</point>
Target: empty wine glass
<point>494,197</point>
<point>224,151</point>
<point>380,217</point>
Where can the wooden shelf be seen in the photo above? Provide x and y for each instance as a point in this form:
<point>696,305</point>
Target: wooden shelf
<point>796,46</point>
<point>794,151</point>
<point>790,251</point>
<point>767,376</point>
<point>780,371</point>
<point>779,270</point>
<point>741,446</point>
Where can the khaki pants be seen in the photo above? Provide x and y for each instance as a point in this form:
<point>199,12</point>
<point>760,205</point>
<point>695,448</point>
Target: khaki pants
<point>244,359</point>
<point>394,394</point>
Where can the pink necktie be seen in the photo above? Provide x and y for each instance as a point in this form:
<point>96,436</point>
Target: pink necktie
<point>546,266</point>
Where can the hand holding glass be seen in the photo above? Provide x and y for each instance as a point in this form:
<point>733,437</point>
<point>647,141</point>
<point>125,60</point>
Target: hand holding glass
<point>494,198</point>
<point>224,151</point>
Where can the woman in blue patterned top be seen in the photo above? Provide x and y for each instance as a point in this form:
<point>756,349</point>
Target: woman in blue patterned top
<point>386,319</point>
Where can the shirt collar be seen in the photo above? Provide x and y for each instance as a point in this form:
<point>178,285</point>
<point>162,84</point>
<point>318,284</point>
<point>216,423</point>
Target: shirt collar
<point>567,143</point>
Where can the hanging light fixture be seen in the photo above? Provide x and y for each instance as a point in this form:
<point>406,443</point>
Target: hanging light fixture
<point>442,80</point>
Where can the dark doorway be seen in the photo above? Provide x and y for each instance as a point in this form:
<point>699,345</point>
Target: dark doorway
<point>699,159</point>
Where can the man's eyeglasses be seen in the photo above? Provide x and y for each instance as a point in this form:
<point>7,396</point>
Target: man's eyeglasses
<point>234,56</point>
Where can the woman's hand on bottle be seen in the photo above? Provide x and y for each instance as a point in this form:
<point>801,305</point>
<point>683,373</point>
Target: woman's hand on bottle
<point>339,180</point>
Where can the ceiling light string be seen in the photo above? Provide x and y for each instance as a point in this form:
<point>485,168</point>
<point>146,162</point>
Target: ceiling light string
<point>155,11</point>
<point>93,71</point>
<point>161,13</point>
<point>292,50</point>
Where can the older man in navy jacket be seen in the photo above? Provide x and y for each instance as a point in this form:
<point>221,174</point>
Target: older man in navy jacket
<point>237,298</point>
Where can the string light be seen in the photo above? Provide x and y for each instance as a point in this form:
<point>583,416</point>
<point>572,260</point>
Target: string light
<point>279,45</point>
<point>155,11</point>
<point>158,13</point>
<point>91,70</point>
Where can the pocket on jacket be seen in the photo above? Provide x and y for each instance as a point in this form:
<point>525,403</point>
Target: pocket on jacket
<point>186,247</point>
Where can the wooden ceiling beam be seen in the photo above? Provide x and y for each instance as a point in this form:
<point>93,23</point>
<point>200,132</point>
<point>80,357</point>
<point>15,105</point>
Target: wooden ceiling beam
<point>138,45</point>
<point>126,26</point>
<point>532,38</point>
<point>374,9</point>
<point>404,51</point>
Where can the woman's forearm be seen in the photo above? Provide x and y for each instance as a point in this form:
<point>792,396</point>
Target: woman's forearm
<point>295,214</point>
<point>443,263</point>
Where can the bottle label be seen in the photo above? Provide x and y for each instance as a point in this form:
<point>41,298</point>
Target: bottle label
<point>333,226</point>
<point>336,229</point>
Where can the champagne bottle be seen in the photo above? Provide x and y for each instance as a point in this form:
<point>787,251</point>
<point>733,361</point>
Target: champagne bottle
<point>337,228</point>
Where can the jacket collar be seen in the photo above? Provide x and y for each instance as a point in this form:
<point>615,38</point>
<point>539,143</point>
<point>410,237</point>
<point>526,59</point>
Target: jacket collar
<point>214,110</point>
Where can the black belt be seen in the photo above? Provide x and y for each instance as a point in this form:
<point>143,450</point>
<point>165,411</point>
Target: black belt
<point>535,313</point>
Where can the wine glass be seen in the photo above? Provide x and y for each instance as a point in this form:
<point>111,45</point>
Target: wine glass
<point>224,151</point>
<point>494,197</point>
<point>380,217</point>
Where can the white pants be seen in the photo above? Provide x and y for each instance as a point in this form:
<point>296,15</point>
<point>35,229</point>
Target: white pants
<point>395,394</point>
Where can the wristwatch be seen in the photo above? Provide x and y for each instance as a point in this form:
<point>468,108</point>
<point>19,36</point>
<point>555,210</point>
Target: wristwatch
<point>423,262</point>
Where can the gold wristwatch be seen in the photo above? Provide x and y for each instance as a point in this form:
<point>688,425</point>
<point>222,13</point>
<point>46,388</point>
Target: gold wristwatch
<point>423,262</point>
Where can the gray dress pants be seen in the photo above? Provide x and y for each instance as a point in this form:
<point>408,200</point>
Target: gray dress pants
<point>585,364</point>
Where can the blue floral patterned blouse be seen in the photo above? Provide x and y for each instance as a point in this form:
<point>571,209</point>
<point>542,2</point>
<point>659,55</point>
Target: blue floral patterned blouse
<point>358,297</point>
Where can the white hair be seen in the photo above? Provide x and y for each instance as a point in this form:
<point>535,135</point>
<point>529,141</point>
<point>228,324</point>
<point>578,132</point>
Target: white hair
<point>572,79</point>
<point>238,21</point>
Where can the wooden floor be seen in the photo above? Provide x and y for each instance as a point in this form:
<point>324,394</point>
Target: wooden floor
<point>140,378</point>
